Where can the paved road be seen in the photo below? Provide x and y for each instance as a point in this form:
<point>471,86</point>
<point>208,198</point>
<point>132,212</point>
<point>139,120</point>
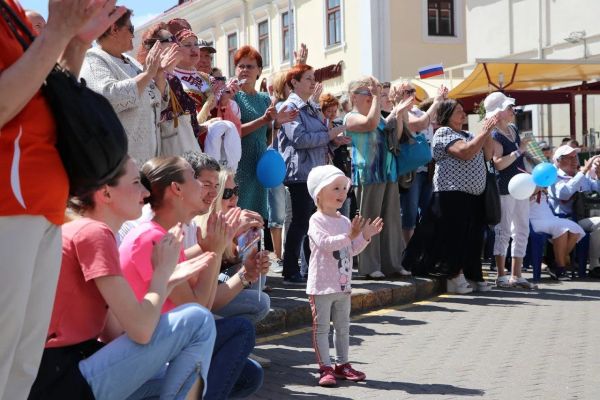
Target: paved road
<point>498,345</point>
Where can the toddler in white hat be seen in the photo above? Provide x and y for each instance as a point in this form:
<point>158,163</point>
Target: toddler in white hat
<point>334,240</point>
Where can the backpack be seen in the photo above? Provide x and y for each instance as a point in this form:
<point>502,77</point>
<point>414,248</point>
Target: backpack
<point>91,140</point>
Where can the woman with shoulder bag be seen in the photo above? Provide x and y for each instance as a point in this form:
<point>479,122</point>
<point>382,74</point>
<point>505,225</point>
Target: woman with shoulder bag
<point>450,237</point>
<point>509,151</point>
<point>179,128</point>
<point>375,177</point>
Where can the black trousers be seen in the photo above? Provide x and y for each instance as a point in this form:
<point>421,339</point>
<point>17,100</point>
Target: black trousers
<point>449,237</point>
<point>296,240</point>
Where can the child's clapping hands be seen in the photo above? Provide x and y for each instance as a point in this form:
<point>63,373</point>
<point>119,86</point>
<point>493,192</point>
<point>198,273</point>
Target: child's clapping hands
<point>366,227</point>
<point>372,228</point>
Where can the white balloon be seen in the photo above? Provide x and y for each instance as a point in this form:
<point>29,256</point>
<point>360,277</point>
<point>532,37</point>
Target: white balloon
<point>521,186</point>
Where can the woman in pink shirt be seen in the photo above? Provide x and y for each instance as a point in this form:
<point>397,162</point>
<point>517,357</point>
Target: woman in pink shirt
<point>334,240</point>
<point>152,355</point>
<point>179,192</point>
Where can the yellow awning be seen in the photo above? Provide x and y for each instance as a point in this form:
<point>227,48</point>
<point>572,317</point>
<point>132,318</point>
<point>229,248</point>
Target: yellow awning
<point>491,75</point>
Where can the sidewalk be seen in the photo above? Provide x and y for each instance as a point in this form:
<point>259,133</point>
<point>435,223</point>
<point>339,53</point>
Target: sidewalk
<point>290,308</point>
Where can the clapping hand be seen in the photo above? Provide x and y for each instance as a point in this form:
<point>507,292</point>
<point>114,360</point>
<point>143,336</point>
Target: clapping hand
<point>169,58</point>
<point>220,231</point>
<point>489,124</point>
<point>186,269</point>
<point>248,220</point>
<point>372,228</point>
<point>153,60</point>
<point>442,94</point>
<point>285,115</point>
<point>165,253</point>
<point>317,92</point>
<point>356,227</point>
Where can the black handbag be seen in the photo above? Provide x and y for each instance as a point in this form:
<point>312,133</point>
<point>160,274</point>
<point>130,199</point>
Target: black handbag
<point>491,196</point>
<point>91,140</point>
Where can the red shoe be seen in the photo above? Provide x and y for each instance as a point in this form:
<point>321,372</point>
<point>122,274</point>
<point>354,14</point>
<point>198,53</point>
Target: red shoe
<point>345,371</point>
<point>327,376</point>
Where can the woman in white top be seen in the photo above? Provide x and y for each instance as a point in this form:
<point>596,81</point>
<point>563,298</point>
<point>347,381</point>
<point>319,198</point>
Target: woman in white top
<point>137,94</point>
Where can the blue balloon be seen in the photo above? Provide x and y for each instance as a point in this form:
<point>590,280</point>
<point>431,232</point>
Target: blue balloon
<point>544,174</point>
<point>270,169</point>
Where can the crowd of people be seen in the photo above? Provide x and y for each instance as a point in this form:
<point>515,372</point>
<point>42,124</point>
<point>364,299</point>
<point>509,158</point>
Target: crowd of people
<point>150,283</point>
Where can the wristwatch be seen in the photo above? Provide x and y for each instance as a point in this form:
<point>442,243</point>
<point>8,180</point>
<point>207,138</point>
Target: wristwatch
<point>245,282</point>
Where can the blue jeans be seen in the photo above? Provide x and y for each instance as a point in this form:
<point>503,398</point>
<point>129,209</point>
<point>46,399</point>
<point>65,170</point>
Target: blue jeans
<point>247,305</point>
<point>416,198</point>
<point>183,338</point>
<point>276,206</point>
<point>231,373</point>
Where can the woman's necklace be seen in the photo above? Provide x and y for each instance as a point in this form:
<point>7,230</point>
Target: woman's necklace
<point>508,133</point>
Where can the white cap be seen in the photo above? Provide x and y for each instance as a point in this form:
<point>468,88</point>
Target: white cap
<point>496,102</point>
<point>563,151</point>
<point>321,176</point>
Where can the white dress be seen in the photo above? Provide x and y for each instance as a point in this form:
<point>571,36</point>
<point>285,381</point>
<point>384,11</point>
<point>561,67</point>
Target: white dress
<point>113,77</point>
<point>543,221</point>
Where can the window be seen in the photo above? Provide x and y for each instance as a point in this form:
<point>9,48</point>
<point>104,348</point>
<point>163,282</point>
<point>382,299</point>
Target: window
<point>334,22</point>
<point>440,18</point>
<point>286,22</point>
<point>263,42</point>
<point>231,49</point>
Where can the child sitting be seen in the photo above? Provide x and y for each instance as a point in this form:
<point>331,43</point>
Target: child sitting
<point>334,240</point>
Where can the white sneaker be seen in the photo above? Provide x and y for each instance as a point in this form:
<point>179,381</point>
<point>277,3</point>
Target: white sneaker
<point>276,266</point>
<point>480,286</point>
<point>402,272</point>
<point>458,285</point>
<point>504,282</point>
<point>522,283</point>
<point>376,275</point>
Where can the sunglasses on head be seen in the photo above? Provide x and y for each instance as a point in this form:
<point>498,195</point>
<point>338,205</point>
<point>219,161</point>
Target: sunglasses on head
<point>229,193</point>
<point>148,43</point>
<point>364,92</point>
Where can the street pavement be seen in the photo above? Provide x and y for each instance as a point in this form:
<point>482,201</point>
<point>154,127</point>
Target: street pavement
<point>503,344</point>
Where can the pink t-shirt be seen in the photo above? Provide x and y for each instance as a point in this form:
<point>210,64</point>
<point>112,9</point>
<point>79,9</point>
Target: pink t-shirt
<point>330,265</point>
<point>136,258</point>
<point>89,251</point>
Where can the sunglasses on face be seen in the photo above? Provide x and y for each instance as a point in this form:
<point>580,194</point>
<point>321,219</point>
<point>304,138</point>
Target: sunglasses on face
<point>229,193</point>
<point>409,91</point>
<point>364,92</point>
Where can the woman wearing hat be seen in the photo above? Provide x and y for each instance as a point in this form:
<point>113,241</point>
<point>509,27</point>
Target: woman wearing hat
<point>509,151</point>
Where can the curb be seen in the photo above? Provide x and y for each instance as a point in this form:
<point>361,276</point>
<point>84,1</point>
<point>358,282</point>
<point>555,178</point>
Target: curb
<point>378,295</point>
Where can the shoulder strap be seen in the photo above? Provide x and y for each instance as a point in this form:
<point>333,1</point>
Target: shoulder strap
<point>13,19</point>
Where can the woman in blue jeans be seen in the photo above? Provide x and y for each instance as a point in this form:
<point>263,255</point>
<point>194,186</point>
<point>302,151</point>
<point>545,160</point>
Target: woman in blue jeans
<point>305,143</point>
<point>151,354</point>
<point>178,192</point>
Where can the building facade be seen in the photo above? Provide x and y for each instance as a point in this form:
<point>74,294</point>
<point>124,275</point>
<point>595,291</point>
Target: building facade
<point>539,29</point>
<point>388,39</point>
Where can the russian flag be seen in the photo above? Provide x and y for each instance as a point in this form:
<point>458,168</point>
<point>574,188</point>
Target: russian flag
<point>431,70</point>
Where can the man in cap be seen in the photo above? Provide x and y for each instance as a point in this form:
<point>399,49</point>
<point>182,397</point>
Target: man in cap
<point>573,179</point>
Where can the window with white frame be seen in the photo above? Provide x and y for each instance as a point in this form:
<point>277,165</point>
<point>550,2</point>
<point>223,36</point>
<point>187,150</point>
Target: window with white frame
<point>263,41</point>
<point>440,18</point>
<point>286,22</point>
<point>232,46</point>
<point>334,22</point>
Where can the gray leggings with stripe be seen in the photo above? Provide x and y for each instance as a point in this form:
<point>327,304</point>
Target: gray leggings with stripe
<point>333,307</point>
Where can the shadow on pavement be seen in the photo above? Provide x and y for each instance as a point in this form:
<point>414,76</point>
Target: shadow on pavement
<point>424,388</point>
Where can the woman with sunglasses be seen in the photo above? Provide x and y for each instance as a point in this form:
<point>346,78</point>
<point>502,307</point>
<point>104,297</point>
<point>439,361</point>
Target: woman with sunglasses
<point>375,177</point>
<point>179,127</point>
<point>137,94</point>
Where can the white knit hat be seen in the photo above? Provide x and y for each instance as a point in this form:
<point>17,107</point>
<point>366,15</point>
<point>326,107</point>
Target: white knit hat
<point>321,176</point>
